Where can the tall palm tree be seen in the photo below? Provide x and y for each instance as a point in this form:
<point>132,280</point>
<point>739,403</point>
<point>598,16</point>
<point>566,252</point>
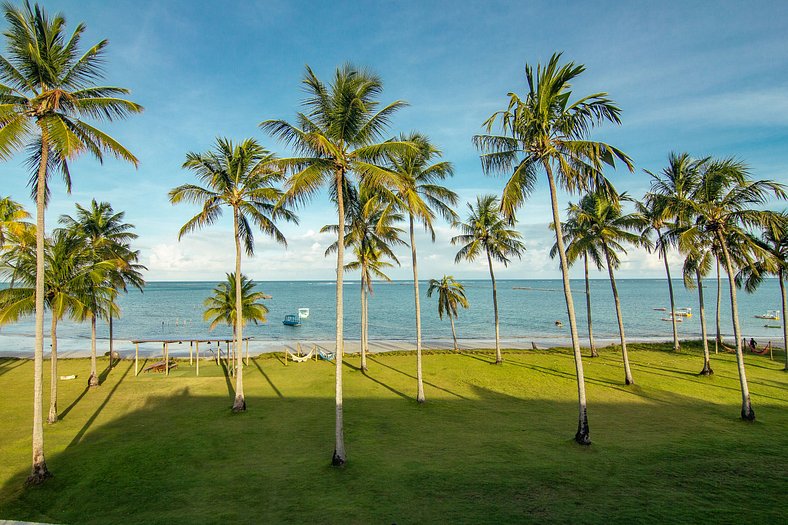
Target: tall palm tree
<point>68,273</point>
<point>699,257</point>
<point>485,232</point>
<point>220,306</point>
<point>724,206</point>
<point>371,231</point>
<point>663,203</point>
<point>419,172</point>
<point>337,136</point>
<point>579,243</point>
<point>12,218</point>
<point>546,130</point>
<point>47,88</point>
<point>109,237</point>
<point>602,216</point>
<point>451,295</point>
<point>774,242</point>
<point>240,177</point>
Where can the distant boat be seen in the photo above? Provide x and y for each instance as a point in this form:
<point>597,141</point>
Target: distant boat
<point>291,320</point>
<point>772,326</point>
<point>770,314</point>
<point>660,309</point>
<point>678,319</point>
<point>303,313</point>
<point>683,312</point>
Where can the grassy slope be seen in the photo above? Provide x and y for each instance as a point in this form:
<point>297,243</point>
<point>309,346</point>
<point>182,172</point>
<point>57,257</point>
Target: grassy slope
<point>493,444</point>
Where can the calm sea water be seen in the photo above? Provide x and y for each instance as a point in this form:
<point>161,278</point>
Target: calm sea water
<point>528,311</point>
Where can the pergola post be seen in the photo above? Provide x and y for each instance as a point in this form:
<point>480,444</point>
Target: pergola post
<point>197,352</point>
<point>218,352</point>
<point>136,359</point>
<point>191,343</point>
<point>247,352</point>
<point>166,360</point>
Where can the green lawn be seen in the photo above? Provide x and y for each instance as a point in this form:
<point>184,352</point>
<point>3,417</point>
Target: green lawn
<point>493,444</point>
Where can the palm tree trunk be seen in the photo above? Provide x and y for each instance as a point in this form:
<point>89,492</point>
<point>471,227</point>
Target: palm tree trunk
<point>339,457</point>
<point>781,276</point>
<point>498,356</point>
<point>419,378</point>
<point>676,346</point>
<point>747,412</point>
<point>453,333</point>
<point>39,471</point>
<point>627,372</point>
<point>53,368</point>
<point>594,353</point>
<point>239,405</point>
<point>583,435</point>
<point>707,371</point>
<point>93,380</point>
<point>363,315</point>
<point>111,350</point>
<point>718,340</point>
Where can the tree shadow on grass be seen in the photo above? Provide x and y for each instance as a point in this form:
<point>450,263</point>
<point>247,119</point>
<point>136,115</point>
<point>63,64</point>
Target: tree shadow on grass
<point>165,457</point>
<point>278,393</point>
<point>433,385</point>
<point>226,374</point>
<point>9,363</point>
<point>101,407</point>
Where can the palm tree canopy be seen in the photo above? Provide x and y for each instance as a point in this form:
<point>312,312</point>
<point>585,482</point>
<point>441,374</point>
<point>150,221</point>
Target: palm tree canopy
<point>546,128</point>
<point>341,131</point>
<point>240,176</point>
<point>12,217</point>
<point>451,294</point>
<point>773,242</point>
<point>419,172</point>
<point>485,232</point>
<point>220,306</point>
<point>48,87</point>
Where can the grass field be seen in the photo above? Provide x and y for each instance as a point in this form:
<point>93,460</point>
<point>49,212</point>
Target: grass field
<point>493,444</point>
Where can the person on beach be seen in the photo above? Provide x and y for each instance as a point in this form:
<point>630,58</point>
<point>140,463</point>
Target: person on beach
<point>753,345</point>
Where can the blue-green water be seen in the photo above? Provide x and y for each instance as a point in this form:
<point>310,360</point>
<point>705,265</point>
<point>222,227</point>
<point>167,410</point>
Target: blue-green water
<point>174,310</point>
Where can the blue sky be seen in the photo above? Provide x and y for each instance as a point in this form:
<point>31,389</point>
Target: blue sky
<point>707,78</point>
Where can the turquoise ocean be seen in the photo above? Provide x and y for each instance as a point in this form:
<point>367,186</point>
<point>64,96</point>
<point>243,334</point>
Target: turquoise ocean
<point>528,310</point>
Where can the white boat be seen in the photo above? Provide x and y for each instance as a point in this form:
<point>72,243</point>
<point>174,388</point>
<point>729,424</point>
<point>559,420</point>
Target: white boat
<point>683,312</point>
<point>303,313</point>
<point>770,314</point>
<point>678,319</point>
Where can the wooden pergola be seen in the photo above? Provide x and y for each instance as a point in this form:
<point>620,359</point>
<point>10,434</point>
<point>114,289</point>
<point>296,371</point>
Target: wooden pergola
<point>194,345</point>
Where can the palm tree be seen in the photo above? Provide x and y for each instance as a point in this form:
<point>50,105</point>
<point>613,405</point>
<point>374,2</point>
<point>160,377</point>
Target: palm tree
<point>220,306</point>
<point>544,130</point>
<point>578,242</point>
<point>418,190</point>
<point>774,242</point>
<point>108,237</point>
<point>723,206</point>
<point>46,90</point>
<point>699,256</point>
<point>69,272</point>
<point>336,137</point>
<point>674,184</point>
<point>12,217</point>
<point>485,232</point>
<point>451,294</point>
<point>370,230</point>
<point>601,216</point>
<point>238,176</point>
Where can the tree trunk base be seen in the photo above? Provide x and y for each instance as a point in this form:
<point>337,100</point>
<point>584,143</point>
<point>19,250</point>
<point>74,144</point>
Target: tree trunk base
<point>337,460</point>
<point>629,381</point>
<point>421,399</point>
<point>707,371</point>
<point>583,437</point>
<point>39,474</point>
<point>594,353</point>
<point>748,414</point>
<point>239,405</point>
<point>52,415</point>
<point>93,380</point>
<point>498,361</point>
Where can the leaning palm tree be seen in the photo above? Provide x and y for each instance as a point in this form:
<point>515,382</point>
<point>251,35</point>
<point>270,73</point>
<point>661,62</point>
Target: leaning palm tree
<point>238,176</point>
<point>12,218</point>
<point>339,135</point>
<point>724,206</point>
<point>579,243</point>
<point>601,215</point>
<point>47,88</point>
<point>108,238</point>
<point>220,306</point>
<point>669,189</point>
<point>774,242</point>
<point>371,232</point>
<point>419,172</point>
<point>545,130</point>
<point>451,295</point>
<point>485,233</point>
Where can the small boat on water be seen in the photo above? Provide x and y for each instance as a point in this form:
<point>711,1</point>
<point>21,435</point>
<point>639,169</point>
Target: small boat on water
<point>660,309</point>
<point>770,314</point>
<point>772,326</point>
<point>292,320</point>
<point>303,313</point>
<point>683,312</point>
<point>678,319</point>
